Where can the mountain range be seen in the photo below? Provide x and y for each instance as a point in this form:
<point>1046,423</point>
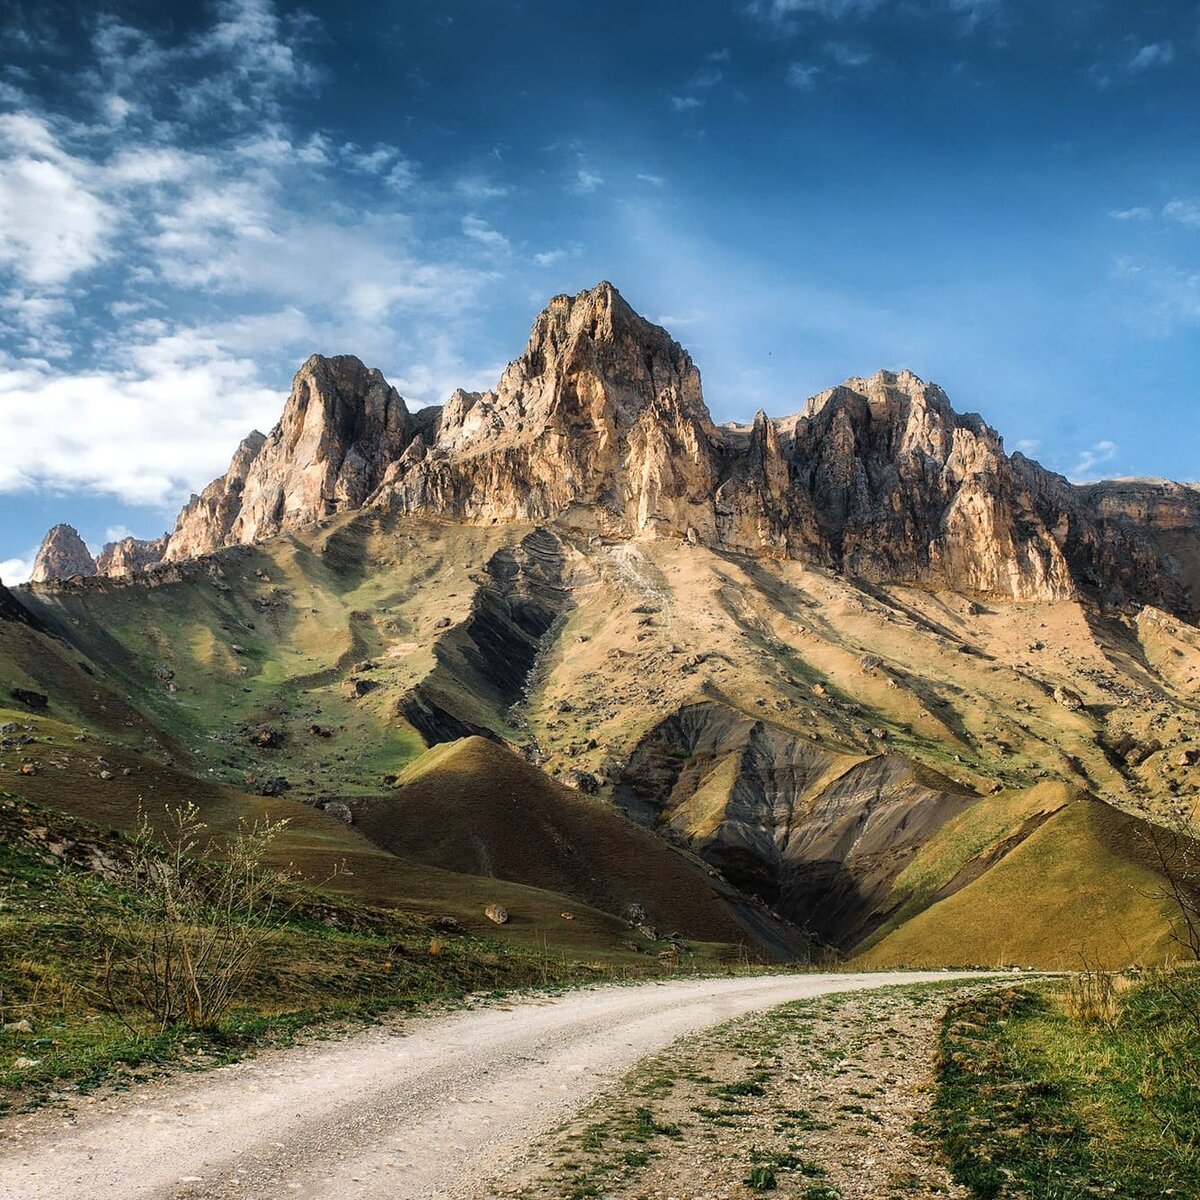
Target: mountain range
<point>853,681</point>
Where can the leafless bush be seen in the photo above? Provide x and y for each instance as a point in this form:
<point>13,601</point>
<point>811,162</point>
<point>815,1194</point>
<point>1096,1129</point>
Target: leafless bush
<point>1176,853</point>
<point>178,933</point>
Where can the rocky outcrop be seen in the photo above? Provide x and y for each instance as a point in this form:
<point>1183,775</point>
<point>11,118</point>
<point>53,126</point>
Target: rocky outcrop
<point>599,423</point>
<point>904,489</point>
<point>819,836</point>
<point>63,555</point>
<point>600,426</point>
<point>207,520</point>
<point>341,427</point>
<point>129,556</point>
<point>1128,540</point>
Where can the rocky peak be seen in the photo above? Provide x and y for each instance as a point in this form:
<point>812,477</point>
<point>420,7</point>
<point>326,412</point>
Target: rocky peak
<point>342,425</point>
<point>591,366</point>
<point>63,555</point>
<point>601,417</point>
<point>129,555</point>
<point>600,425</point>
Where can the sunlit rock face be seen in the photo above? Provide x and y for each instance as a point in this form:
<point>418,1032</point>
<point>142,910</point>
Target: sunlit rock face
<point>600,426</point>
<point>62,555</point>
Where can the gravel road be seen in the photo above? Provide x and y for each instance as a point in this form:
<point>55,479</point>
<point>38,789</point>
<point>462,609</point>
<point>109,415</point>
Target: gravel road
<point>431,1107</point>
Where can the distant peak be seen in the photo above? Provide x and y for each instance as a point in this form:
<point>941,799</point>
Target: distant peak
<point>63,555</point>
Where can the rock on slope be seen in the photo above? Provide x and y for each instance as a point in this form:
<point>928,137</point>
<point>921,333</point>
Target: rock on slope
<point>129,556</point>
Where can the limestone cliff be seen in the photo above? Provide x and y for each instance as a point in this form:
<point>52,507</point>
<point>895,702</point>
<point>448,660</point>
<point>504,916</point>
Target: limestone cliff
<point>62,555</point>
<point>600,425</point>
<point>600,422</point>
<point>129,556</point>
<point>341,427</point>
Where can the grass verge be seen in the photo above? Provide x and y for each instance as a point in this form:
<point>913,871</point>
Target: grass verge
<point>328,960</point>
<point>1053,1091</point>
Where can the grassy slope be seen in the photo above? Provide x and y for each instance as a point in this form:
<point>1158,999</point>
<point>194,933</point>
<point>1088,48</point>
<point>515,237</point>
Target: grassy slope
<point>958,686</point>
<point>270,635</point>
<point>475,807</point>
<point>1073,890</point>
<point>330,958</point>
<point>315,844</point>
<point>1039,1098</point>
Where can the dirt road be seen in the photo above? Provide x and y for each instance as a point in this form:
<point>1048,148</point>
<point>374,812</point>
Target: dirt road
<point>428,1108</point>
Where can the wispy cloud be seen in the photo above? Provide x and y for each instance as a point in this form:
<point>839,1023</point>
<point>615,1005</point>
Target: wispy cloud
<point>585,182</point>
<point>847,55</point>
<point>1137,213</point>
<point>685,103</point>
<point>186,190</point>
<point>975,12</point>
<point>803,76</point>
<point>779,11</point>
<point>478,230</point>
<point>653,180</point>
<point>1183,212</point>
<point>1156,54</point>
<point>1090,459</point>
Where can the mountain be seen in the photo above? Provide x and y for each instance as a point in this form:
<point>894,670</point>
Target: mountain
<point>842,665</point>
<point>62,555</point>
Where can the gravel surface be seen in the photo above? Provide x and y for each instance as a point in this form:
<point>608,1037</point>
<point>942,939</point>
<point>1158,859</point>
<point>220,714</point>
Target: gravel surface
<point>427,1108</point>
<point>825,1098</point>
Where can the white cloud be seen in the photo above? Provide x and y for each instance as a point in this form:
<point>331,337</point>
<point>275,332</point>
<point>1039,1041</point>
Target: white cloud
<point>478,230</point>
<point>1183,212</point>
<point>54,226</point>
<point>548,258</point>
<point>1028,445</point>
<point>188,400</point>
<point>1091,458</point>
<point>653,180</point>
<point>1156,54</point>
<point>585,182</point>
<point>117,533</point>
<point>802,76</point>
<point>686,103</point>
<point>1137,213</point>
<point>479,188</point>
<point>18,570</point>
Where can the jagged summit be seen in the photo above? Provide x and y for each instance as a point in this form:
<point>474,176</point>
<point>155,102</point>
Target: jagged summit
<point>600,426</point>
<point>63,554</point>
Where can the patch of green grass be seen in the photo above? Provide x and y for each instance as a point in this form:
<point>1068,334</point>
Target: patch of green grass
<point>329,959</point>
<point>1032,1098</point>
<point>732,1091</point>
<point>762,1179</point>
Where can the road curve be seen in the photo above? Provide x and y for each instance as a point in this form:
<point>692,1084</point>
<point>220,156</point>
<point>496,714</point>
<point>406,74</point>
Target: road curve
<point>427,1108</point>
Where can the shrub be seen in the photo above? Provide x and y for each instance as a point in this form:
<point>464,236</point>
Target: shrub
<point>179,936</point>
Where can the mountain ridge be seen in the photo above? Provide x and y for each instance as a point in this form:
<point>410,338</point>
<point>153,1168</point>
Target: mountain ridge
<point>600,425</point>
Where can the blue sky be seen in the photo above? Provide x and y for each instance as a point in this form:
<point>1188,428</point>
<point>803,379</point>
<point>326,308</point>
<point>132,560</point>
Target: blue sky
<point>1003,196</point>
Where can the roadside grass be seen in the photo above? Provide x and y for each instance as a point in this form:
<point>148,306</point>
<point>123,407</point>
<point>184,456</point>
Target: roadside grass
<point>328,960</point>
<point>1045,1093</point>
